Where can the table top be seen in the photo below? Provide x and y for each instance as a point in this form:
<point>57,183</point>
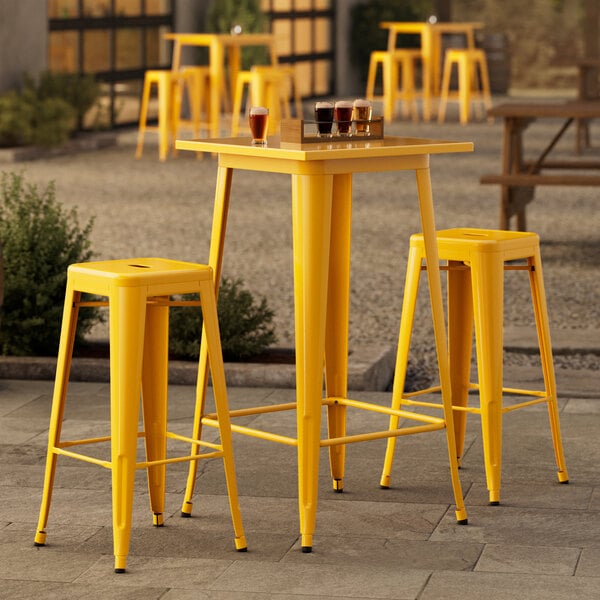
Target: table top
<point>227,39</point>
<point>441,27</point>
<point>535,110</point>
<point>328,150</point>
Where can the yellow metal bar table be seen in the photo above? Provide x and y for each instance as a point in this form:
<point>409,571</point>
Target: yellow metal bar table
<point>431,49</point>
<point>321,214</point>
<point>219,44</point>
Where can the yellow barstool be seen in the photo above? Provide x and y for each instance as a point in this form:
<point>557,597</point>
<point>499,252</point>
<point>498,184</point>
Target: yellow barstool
<point>269,86</point>
<point>403,59</point>
<point>477,259</point>
<point>473,82</point>
<point>137,292</point>
<point>165,83</point>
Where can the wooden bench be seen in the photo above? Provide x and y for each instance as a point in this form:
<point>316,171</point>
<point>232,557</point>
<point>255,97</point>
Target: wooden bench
<point>520,177</point>
<point>525,180</point>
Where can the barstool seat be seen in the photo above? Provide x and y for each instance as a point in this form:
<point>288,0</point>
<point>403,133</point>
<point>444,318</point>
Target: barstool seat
<point>269,86</point>
<point>403,59</point>
<point>138,296</point>
<point>477,259</point>
<point>473,82</point>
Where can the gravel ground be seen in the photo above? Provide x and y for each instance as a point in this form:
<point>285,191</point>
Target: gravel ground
<point>144,207</point>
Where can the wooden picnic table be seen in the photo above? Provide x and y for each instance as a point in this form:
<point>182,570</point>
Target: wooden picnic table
<point>520,176</point>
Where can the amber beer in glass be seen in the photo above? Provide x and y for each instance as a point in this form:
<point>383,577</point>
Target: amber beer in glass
<point>259,119</point>
<point>324,118</point>
<point>343,117</point>
<point>362,111</point>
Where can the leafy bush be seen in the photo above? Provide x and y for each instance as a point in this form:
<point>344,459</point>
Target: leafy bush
<point>81,92</point>
<point>245,327</point>
<point>40,239</point>
<point>48,112</point>
<point>366,35</point>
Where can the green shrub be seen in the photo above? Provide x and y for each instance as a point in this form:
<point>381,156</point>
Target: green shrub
<point>246,328</point>
<point>48,112</point>
<point>81,92</point>
<point>40,239</point>
<point>366,35</point>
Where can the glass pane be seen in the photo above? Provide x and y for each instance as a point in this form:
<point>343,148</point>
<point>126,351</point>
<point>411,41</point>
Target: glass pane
<point>322,72</point>
<point>63,9</point>
<point>128,8</point>
<point>302,36</point>
<point>62,51</point>
<point>96,8</point>
<point>303,4</point>
<point>96,51</point>
<point>158,7</point>
<point>304,78</point>
<point>126,101</point>
<point>322,4</point>
<point>322,35</point>
<point>158,51</point>
<point>283,33</point>
<point>128,48</point>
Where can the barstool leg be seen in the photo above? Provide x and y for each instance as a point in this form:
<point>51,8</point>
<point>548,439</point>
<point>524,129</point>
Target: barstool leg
<point>538,295</point>
<point>409,302</point>
<point>143,117</point>
<point>460,341</point>
<point>213,344</point>
<point>155,370</point>
<point>390,84</point>
<point>63,367</point>
<point>127,316</point>
<point>487,273</point>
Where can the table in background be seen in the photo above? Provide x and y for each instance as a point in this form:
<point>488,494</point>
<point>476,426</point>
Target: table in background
<point>220,46</point>
<point>321,215</point>
<point>519,176</point>
<point>431,49</point>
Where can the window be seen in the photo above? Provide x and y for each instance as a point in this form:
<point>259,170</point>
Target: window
<point>115,40</point>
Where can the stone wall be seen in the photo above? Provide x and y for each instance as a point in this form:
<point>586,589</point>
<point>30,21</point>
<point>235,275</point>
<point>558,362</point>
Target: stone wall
<point>543,41</point>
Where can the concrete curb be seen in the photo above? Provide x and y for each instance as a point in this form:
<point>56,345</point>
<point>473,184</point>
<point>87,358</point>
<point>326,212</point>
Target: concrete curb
<point>369,369</point>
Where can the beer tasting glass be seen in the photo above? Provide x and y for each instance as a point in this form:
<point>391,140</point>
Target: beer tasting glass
<point>259,118</point>
<point>343,117</point>
<point>362,115</point>
<point>324,118</point>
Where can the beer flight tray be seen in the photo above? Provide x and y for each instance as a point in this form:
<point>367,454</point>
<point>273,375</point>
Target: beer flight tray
<point>295,131</point>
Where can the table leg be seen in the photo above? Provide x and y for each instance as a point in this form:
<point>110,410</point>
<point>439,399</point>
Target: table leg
<point>311,216</point>
<point>336,339</point>
<point>439,328</point>
<point>216,85</point>
<point>217,242</point>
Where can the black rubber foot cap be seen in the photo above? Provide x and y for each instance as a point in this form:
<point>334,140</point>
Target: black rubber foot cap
<point>306,549</point>
<point>185,515</point>
<point>339,491</point>
<point>495,503</point>
<point>243,549</point>
<point>119,570</point>
<point>565,481</point>
<point>463,522</point>
<point>384,487</point>
<point>37,544</point>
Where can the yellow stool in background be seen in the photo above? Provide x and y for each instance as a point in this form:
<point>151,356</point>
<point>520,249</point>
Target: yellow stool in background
<point>403,59</point>
<point>476,263</point>
<point>138,293</point>
<point>270,86</point>
<point>165,82</point>
<point>473,81</point>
